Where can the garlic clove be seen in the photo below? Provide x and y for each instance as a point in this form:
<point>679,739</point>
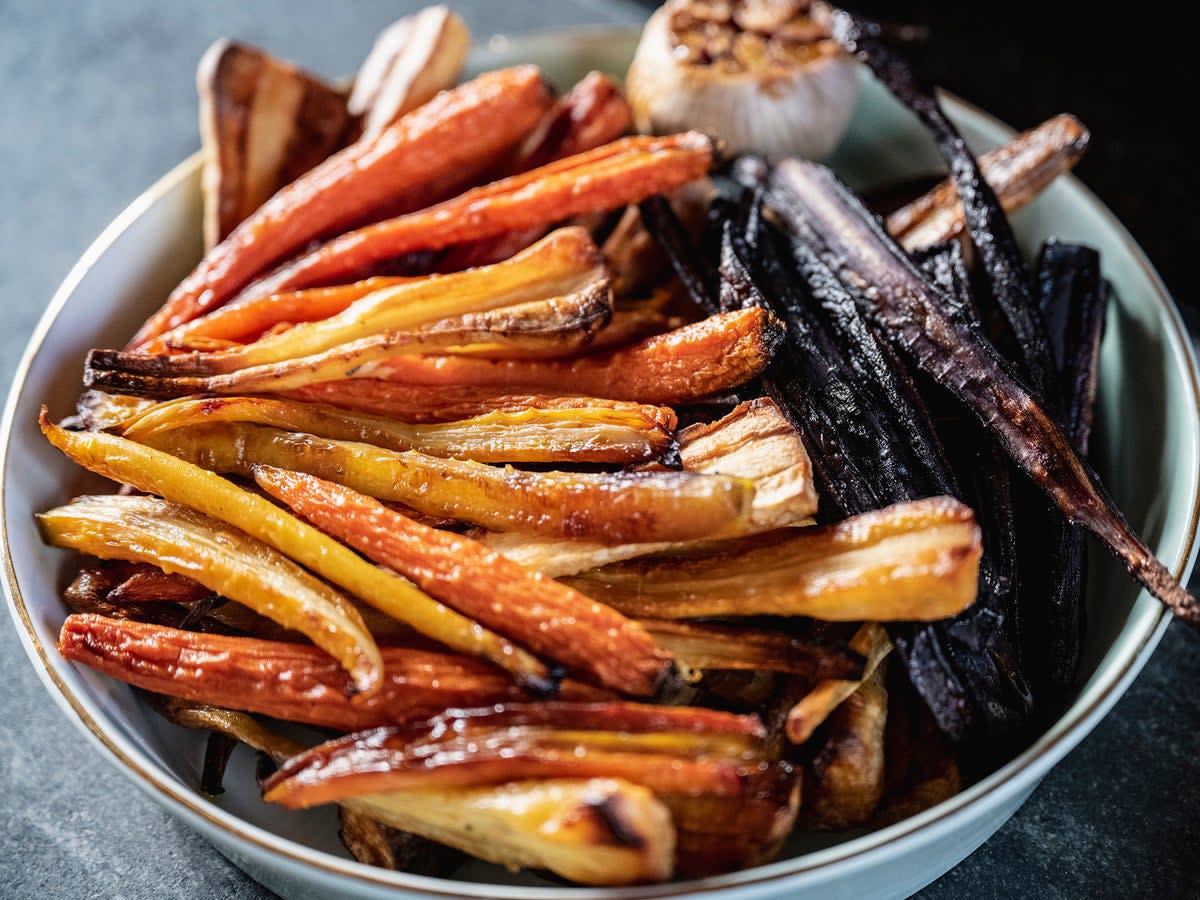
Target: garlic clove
<point>763,75</point>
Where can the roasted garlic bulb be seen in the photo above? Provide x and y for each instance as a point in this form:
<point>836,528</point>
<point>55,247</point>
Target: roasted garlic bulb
<point>762,75</point>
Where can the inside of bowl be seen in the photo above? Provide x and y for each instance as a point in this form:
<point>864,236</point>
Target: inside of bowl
<point>1145,452</point>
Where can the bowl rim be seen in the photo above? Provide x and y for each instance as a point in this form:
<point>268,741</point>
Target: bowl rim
<point>1063,734</point>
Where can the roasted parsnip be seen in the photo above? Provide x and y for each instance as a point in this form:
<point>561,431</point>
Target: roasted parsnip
<point>844,781</point>
<point>753,441</point>
<point>599,831</point>
<point>1018,172</point>
<point>565,264</point>
<point>412,60</point>
<point>242,323</point>
<point>910,561</point>
<point>263,123</point>
<point>604,506</point>
<point>181,482</point>
<point>542,328</point>
<point>443,140</point>
<point>598,433</point>
<point>224,560</point>
<point>816,706</point>
<point>551,619</point>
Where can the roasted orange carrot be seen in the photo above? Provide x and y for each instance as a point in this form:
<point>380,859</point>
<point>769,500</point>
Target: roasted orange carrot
<point>289,681</point>
<point>589,115</point>
<point>706,357</point>
<point>624,171</point>
<point>449,134</point>
<point>551,619</point>
<point>245,322</point>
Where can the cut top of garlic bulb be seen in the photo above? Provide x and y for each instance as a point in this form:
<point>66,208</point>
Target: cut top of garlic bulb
<point>748,35</point>
<point>763,75</point>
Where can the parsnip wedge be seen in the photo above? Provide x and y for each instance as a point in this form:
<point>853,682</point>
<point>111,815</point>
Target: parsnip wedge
<point>549,618</point>
<point>289,681</point>
<point>224,560</point>
<point>598,831</point>
<point>564,263</point>
<point>263,123</point>
<point>543,328</point>
<point>1018,172</point>
<point>603,506</point>
<point>754,441</point>
<point>181,482</point>
<point>844,783</point>
<point>412,60</point>
<point>612,433</point>
<point>816,706</point>
<point>911,561</point>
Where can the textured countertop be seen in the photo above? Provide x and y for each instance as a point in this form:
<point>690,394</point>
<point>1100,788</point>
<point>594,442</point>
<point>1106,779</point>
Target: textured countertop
<point>96,101</point>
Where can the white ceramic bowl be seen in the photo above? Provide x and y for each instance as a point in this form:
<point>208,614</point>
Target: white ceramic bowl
<point>1147,443</point>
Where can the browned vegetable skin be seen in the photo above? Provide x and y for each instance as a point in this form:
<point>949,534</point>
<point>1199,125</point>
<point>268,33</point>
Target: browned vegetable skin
<point>706,646</point>
<point>616,433</point>
<point>753,441</point>
<point>844,782</point>
<point>625,171</point>
<point>552,620</point>
<point>440,140</point>
<point>289,681</point>
<point>150,584</point>
<point>691,362</point>
<point>1018,172</point>
<point>910,561</point>
<point>181,482</point>
<point>605,506</point>
<point>263,124</point>
<point>226,561</point>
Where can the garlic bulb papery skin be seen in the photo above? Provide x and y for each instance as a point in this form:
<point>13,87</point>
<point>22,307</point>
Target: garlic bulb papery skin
<point>779,110</point>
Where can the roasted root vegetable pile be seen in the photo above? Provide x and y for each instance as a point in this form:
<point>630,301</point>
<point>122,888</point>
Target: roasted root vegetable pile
<point>597,502</point>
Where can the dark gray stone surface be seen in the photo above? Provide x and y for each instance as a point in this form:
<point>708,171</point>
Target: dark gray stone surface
<point>96,101</point>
